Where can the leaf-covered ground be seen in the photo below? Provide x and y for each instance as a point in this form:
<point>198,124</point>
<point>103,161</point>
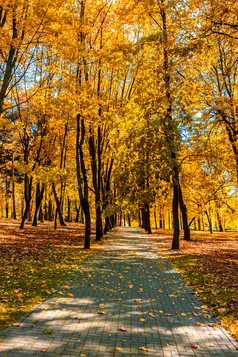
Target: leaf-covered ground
<point>209,264</point>
<point>34,261</point>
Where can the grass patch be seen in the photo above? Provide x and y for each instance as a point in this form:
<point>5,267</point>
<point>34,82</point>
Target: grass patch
<point>25,282</point>
<point>220,298</point>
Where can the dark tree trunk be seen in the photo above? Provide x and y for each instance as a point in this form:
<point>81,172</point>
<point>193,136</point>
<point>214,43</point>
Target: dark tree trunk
<point>183,209</point>
<point>41,214</point>
<point>175,244</point>
<point>50,211</point>
<point>77,212</point>
<point>58,206</point>
<point>107,225</point>
<point>156,227</point>
<point>145,213</point>
<point>219,222</point>
<point>139,217</point>
<point>199,223</point>
<point>14,215</point>
<point>27,192</point>
<point>195,224</point>
<point>129,220</point>
<point>209,221</point>
<point>69,213</point>
<point>39,198</point>
<point>160,220</point>
<point>82,177</point>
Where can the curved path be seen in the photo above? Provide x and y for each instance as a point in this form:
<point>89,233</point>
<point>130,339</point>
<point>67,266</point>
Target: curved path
<point>126,300</point>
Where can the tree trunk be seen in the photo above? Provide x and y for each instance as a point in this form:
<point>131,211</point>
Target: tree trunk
<point>183,210</point>
<point>77,212</point>
<point>219,222</point>
<point>27,194</point>
<point>175,244</point>
<point>160,220</point>
<point>69,214</point>
<point>129,220</point>
<point>99,228</point>
<point>39,198</point>
<point>199,223</point>
<point>58,204</point>
<point>82,177</point>
<point>209,221</point>
<point>156,227</point>
<point>14,215</point>
<point>41,214</point>
<point>50,211</point>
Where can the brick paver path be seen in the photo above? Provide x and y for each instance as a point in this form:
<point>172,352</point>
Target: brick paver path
<point>127,285</point>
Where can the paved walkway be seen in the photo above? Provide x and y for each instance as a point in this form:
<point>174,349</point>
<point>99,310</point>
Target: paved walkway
<point>125,301</point>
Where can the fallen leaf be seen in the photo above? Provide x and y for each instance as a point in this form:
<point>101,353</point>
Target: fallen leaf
<point>195,346</point>
<point>151,315</point>
<point>118,348</point>
<point>123,329</point>
<point>145,349</point>
<point>101,312</point>
<point>208,344</point>
<point>167,314</point>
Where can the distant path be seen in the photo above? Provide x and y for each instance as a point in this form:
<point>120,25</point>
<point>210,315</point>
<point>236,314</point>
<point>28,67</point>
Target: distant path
<point>127,284</point>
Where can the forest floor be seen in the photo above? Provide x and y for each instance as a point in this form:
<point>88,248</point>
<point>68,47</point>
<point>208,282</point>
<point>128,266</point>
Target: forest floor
<point>35,260</point>
<point>209,264</point>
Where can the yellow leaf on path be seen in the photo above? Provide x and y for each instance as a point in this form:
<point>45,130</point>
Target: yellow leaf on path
<point>208,344</point>
<point>142,319</point>
<point>118,348</point>
<point>145,349</point>
<point>151,315</point>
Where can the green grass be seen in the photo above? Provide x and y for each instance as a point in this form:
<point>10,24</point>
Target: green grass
<point>221,299</point>
<point>23,283</point>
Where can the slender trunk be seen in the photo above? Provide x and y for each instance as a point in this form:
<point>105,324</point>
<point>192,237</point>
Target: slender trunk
<point>39,198</point>
<point>50,211</point>
<point>58,206</point>
<point>139,217</point>
<point>199,223</point>
<point>219,222</point>
<point>209,221</point>
<point>69,214</point>
<point>27,193</point>
<point>107,225</point>
<point>160,220</point>
<point>129,220</point>
<point>77,212</point>
<point>156,227</point>
<point>183,210</point>
<point>82,178</point>
<point>41,214</point>
<point>14,215</point>
<point>175,244</point>
<point>195,224</point>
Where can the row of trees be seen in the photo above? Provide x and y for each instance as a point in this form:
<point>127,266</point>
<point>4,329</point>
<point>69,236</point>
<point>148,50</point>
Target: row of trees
<point>119,109</point>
